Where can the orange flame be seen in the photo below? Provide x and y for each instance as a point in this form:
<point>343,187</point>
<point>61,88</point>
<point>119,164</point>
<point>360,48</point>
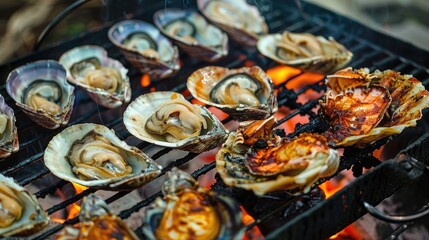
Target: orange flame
<point>73,209</point>
<point>280,73</point>
<point>145,80</point>
<point>254,233</point>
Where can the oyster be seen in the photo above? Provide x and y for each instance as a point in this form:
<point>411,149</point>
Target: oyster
<point>20,213</point>
<point>273,163</point>
<point>245,93</point>
<point>192,33</point>
<point>104,79</point>
<point>305,51</point>
<point>167,119</point>
<point>40,89</point>
<point>191,212</point>
<point>96,222</point>
<point>8,133</point>
<point>364,107</point>
<point>241,21</point>
<point>92,155</point>
<point>145,47</point>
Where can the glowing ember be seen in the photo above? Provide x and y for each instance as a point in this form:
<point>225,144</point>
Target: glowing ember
<point>254,233</point>
<point>280,73</point>
<point>145,80</point>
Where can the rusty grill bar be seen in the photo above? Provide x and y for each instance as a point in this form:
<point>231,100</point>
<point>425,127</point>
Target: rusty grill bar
<point>27,166</point>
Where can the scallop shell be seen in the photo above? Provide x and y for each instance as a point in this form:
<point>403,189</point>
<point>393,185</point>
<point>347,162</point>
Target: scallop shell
<point>162,62</point>
<point>201,83</point>
<point>9,137</point>
<point>144,169</point>
<point>89,53</point>
<point>318,54</point>
<point>20,80</point>
<point>33,218</point>
<point>205,42</point>
<point>141,109</point>
<point>242,21</point>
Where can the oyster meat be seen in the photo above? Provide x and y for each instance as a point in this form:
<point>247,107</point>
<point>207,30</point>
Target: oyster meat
<point>92,155</point>
<point>191,212</point>
<point>8,132</point>
<point>167,119</point>
<point>142,43</point>
<point>245,93</point>
<point>20,213</point>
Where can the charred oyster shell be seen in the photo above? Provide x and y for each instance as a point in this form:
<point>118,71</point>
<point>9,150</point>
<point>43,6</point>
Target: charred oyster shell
<point>40,89</point>
<point>167,119</point>
<point>20,212</point>
<point>191,212</point>
<point>93,156</point>
<point>245,93</point>
<point>8,133</point>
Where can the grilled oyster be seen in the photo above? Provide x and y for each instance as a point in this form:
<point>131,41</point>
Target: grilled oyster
<point>241,21</point>
<point>245,93</point>
<point>20,213</point>
<point>145,47</point>
<point>96,222</point>
<point>40,89</point>
<point>305,51</point>
<point>104,79</point>
<point>364,107</point>
<point>191,212</point>
<point>273,163</point>
<point>8,133</point>
<point>92,155</point>
<point>192,33</point>
<point>167,119</point>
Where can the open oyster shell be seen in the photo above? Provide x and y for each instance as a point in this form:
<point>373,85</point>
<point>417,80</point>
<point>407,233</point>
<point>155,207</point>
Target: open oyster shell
<point>240,20</point>
<point>8,133</point>
<point>191,212</point>
<point>305,51</point>
<point>40,89</point>
<point>191,32</point>
<point>145,47</point>
<point>245,93</point>
<point>382,117</point>
<point>272,163</point>
<point>93,156</point>
<point>96,222</point>
<point>20,212</point>
<point>181,124</point>
<point>104,79</point>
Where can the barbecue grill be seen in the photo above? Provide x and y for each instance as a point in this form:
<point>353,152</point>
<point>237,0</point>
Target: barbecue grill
<point>272,214</point>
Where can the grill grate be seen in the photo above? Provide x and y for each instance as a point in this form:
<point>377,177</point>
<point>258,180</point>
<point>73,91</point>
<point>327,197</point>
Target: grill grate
<point>282,16</point>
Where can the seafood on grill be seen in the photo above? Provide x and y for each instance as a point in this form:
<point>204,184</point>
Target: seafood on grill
<point>364,107</point>
<point>20,212</point>
<point>305,51</point>
<point>96,222</point>
<point>188,211</point>
<point>191,32</point>
<point>255,158</point>
<point>92,155</point>
<point>40,89</point>
<point>104,79</point>
<point>168,119</point>
<point>145,47</point>
<point>240,20</point>
<point>8,132</point>
<point>245,93</point>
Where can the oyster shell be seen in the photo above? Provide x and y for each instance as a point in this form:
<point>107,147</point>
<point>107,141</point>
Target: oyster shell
<point>241,21</point>
<point>92,155</point>
<point>305,51</point>
<point>40,89</point>
<point>96,222</point>
<point>245,93</point>
<point>145,47</point>
<point>192,33</point>
<point>399,106</point>
<point>167,119</point>
<point>191,212</point>
<point>20,212</point>
<point>273,163</point>
<point>104,79</point>
<point>8,133</point>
